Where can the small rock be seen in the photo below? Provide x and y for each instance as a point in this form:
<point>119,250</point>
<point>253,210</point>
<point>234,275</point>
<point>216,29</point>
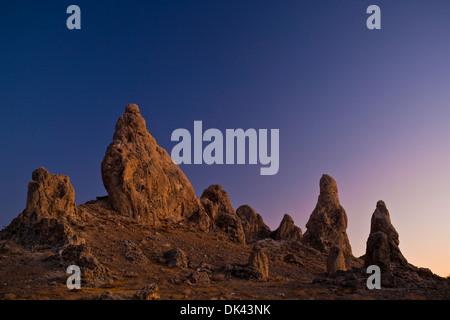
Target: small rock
<point>199,276</point>
<point>176,258</point>
<point>109,296</point>
<point>150,292</point>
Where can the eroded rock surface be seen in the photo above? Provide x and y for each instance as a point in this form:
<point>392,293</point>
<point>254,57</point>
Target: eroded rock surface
<point>141,179</point>
<point>327,224</point>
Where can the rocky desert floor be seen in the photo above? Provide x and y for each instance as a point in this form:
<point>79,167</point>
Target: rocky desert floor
<point>295,271</point>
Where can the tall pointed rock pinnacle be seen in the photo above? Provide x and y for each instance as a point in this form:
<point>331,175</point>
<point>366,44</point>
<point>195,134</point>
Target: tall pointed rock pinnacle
<point>141,179</point>
<point>327,224</point>
<point>382,245</point>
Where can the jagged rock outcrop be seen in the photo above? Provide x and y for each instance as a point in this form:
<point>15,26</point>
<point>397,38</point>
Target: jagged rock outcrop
<point>327,224</point>
<point>49,210</point>
<point>382,245</point>
<point>254,227</point>
<point>141,179</point>
<point>335,260</point>
<point>217,204</point>
<point>287,230</point>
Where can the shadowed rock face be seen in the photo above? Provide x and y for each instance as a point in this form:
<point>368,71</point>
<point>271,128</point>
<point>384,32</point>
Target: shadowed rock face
<point>335,261</point>
<point>217,204</point>
<point>254,227</point>
<point>327,224</point>
<point>50,206</point>
<point>259,262</point>
<point>287,230</point>
<point>141,179</point>
<point>382,245</point>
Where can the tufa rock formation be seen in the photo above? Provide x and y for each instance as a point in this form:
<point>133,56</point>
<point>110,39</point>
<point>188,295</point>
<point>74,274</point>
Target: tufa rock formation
<point>259,262</point>
<point>327,224</point>
<point>176,258</point>
<point>141,179</point>
<point>254,227</point>
<point>287,230</point>
<point>335,260</point>
<point>382,245</point>
<point>150,292</point>
<point>49,210</point>
<point>218,206</point>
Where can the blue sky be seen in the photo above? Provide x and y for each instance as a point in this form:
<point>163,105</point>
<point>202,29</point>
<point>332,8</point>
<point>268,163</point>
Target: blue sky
<point>370,108</point>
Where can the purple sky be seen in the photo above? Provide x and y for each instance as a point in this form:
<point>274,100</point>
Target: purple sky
<point>370,108</point>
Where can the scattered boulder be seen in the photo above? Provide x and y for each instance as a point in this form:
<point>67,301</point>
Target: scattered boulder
<point>259,262</point>
<point>107,295</point>
<point>133,252</point>
<point>335,261</point>
<point>327,224</point>
<point>141,179</point>
<point>199,276</point>
<point>49,210</point>
<point>79,255</point>
<point>287,230</point>
<point>257,267</point>
<point>150,292</point>
<point>254,227</point>
<point>382,245</point>
<point>176,258</point>
<point>217,204</point>
<point>94,274</point>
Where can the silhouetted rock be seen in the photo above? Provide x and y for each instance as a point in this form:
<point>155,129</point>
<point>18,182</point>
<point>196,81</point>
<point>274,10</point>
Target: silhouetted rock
<point>327,224</point>
<point>218,206</point>
<point>287,230</point>
<point>254,227</point>
<point>335,261</point>
<point>141,179</point>
<point>382,245</point>
<point>49,210</point>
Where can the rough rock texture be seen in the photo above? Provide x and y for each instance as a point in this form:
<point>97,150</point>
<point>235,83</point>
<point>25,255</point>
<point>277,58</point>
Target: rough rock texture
<point>259,262</point>
<point>217,204</point>
<point>49,210</point>
<point>382,245</point>
<point>199,276</point>
<point>335,260</point>
<point>79,255</point>
<point>141,179</point>
<point>150,292</point>
<point>287,230</point>
<point>328,222</point>
<point>94,274</point>
<point>133,252</point>
<point>176,258</point>
<point>254,227</point>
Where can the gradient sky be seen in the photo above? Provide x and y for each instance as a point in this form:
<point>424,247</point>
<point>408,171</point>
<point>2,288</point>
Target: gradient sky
<point>370,108</point>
